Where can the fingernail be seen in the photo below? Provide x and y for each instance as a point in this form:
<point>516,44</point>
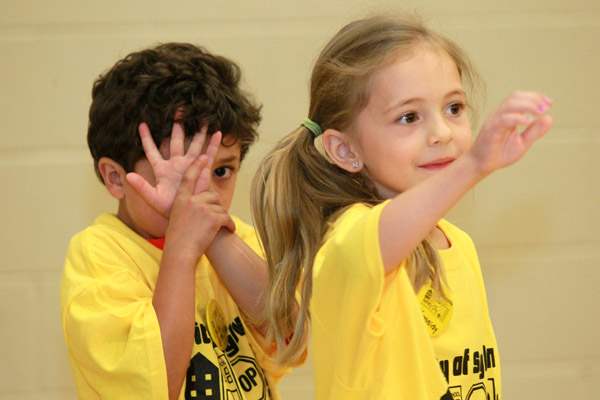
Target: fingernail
<point>542,107</point>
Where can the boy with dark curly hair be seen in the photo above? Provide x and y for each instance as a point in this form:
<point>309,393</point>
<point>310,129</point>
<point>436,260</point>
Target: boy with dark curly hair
<point>162,300</point>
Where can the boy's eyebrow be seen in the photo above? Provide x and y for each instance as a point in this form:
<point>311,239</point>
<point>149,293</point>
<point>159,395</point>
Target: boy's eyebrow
<point>226,159</point>
<point>420,99</point>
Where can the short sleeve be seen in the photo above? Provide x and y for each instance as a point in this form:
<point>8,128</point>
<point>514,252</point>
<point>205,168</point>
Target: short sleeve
<point>110,327</point>
<point>369,339</point>
<point>349,277</point>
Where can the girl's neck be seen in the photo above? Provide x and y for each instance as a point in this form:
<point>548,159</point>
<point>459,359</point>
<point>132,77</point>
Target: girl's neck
<point>438,239</point>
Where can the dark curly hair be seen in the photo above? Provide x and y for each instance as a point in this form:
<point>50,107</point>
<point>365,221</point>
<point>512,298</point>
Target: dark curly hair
<point>159,84</point>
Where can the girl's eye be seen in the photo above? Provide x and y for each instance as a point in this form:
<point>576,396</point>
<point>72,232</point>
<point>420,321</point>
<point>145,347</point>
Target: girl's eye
<point>408,118</point>
<point>223,172</point>
<point>455,109</point>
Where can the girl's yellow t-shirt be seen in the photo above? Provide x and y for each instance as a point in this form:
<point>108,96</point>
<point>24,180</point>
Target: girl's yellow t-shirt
<point>369,339</point>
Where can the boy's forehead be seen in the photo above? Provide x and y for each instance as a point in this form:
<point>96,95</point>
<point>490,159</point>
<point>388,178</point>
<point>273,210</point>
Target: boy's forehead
<point>229,148</point>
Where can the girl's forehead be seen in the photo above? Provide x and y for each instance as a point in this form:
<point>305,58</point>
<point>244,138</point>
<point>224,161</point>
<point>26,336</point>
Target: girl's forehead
<point>424,72</point>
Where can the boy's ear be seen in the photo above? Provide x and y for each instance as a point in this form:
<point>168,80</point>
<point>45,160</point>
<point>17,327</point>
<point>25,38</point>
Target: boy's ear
<point>113,176</point>
<point>340,151</point>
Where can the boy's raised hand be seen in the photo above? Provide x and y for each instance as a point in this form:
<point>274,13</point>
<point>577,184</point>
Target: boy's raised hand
<point>168,172</point>
<point>510,131</point>
<point>197,213</point>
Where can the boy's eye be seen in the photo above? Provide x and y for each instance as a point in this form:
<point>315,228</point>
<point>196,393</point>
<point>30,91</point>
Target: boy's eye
<point>455,109</point>
<point>223,172</point>
<point>408,118</point>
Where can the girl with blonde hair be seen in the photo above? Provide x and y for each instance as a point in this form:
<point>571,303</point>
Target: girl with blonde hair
<point>350,208</point>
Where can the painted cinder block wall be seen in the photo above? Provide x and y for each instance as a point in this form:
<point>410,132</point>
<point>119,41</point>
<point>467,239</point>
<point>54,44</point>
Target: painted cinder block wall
<point>535,224</point>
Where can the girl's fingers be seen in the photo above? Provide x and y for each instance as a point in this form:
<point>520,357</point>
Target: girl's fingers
<point>192,175</point>
<point>511,120</point>
<point>525,106</point>
<point>141,185</point>
<point>536,130</point>
<point>197,142</point>
<point>527,102</point>
<point>177,141</point>
<point>152,153</point>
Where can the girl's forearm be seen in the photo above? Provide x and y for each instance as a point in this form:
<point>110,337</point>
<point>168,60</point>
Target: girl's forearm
<point>411,215</point>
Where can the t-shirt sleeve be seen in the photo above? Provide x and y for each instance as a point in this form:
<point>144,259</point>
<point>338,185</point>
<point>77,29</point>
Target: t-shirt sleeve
<point>110,326</point>
<point>365,321</point>
<point>349,269</point>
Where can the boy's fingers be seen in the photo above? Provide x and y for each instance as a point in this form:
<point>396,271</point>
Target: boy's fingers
<point>229,224</point>
<point>209,197</point>
<point>177,138</point>
<point>152,153</point>
<point>225,219</point>
<point>203,180</point>
<point>197,142</point>
<point>141,185</point>
<point>192,174</point>
<point>213,147</point>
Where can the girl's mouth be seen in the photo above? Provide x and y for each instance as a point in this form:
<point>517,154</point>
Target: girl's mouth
<point>440,163</point>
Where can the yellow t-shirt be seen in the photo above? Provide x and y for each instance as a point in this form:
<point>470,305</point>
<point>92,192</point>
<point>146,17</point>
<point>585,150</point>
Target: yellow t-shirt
<point>369,339</point>
<point>112,332</point>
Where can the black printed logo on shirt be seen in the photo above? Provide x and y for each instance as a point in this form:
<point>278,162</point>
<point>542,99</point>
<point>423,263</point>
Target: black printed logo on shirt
<point>476,363</point>
<point>235,376</point>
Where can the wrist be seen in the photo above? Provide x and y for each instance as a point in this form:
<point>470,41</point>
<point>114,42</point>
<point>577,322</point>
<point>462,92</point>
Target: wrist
<point>184,252</point>
<point>219,243</point>
<point>473,167</point>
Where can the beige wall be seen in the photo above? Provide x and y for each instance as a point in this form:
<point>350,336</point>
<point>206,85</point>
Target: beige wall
<point>535,224</point>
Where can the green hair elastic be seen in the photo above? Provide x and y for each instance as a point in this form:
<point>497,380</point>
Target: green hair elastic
<point>312,126</point>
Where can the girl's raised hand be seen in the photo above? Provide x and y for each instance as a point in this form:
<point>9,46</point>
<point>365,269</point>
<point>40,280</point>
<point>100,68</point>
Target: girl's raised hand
<point>168,172</point>
<point>510,131</point>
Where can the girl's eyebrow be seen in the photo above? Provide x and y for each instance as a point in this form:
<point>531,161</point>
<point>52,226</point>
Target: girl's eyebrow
<point>401,103</point>
<point>459,92</point>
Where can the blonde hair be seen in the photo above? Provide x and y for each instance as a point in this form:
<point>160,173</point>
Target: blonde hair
<point>297,191</point>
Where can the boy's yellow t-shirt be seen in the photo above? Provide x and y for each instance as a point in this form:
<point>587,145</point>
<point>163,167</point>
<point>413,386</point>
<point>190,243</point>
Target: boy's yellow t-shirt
<point>369,339</point>
<point>112,332</point>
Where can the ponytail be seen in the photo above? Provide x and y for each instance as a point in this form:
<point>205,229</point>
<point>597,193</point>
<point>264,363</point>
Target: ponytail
<point>294,192</point>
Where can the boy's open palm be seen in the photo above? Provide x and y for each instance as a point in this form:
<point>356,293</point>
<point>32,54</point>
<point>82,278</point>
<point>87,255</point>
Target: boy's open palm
<point>168,172</point>
<point>509,132</point>
<point>197,213</point>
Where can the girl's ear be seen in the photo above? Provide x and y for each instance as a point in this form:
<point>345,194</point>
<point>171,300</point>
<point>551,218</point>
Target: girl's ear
<point>340,151</point>
<point>113,176</point>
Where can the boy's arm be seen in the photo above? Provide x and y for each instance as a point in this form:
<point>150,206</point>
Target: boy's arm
<point>243,272</point>
<point>195,218</point>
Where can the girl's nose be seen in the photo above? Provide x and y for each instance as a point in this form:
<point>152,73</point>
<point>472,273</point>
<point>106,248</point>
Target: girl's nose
<point>439,132</point>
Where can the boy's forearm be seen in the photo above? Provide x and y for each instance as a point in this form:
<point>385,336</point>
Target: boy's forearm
<point>174,304</point>
<point>243,273</point>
